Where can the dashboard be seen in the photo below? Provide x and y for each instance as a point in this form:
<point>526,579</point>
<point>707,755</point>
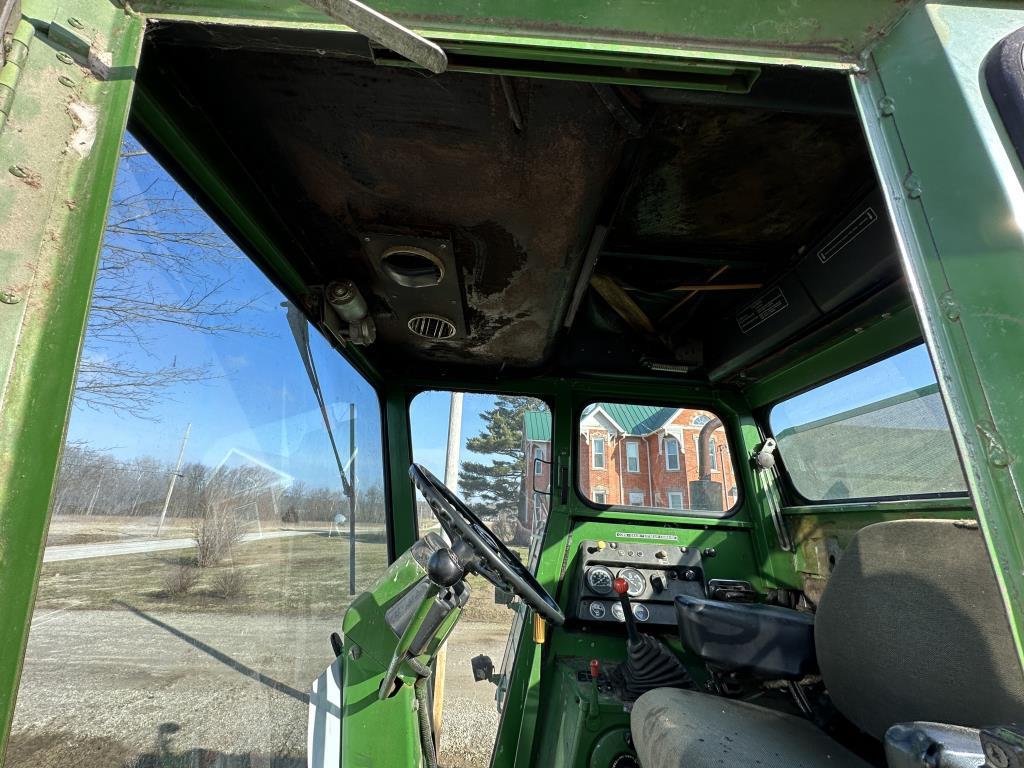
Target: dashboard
<point>655,572</point>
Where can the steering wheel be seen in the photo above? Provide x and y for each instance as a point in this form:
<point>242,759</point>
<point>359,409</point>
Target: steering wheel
<point>490,558</point>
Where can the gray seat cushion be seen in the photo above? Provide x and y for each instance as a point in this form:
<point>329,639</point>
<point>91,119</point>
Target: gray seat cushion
<point>912,627</point>
<point>687,729</point>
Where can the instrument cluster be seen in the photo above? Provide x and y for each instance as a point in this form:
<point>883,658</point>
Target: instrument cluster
<point>655,574</point>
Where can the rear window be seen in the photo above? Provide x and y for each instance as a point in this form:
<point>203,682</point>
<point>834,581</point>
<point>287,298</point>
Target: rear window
<point>671,459</point>
<point>879,432</point>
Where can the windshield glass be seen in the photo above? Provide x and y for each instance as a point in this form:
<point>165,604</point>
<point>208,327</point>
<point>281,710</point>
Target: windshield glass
<point>878,432</point>
<point>658,457</point>
<point>203,542</point>
<point>494,452</point>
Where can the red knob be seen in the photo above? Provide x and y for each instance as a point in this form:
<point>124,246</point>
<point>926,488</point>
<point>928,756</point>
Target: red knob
<point>595,669</point>
<point>621,586</point>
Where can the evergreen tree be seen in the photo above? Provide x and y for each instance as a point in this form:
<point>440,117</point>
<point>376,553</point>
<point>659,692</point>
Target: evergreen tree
<point>495,487</point>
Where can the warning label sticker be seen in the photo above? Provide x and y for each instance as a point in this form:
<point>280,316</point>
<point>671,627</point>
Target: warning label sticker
<point>764,306</point>
<point>650,536</point>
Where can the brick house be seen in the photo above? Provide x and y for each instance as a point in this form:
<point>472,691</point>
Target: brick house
<point>635,455</point>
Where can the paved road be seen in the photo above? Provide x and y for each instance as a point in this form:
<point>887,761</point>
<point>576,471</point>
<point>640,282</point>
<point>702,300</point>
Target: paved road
<point>112,548</point>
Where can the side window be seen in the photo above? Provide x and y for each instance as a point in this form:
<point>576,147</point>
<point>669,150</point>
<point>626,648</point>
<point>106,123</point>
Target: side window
<point>879,432</point>
<point>498,468</point>
<point>632,456</point>
<point>659,457</point>
<point>671,454</point>
<point>198,553</point>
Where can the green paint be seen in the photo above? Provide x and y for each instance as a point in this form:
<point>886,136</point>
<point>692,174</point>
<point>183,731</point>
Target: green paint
<point>962,246</point>
<point>48,256</point>
<point>825,31</point>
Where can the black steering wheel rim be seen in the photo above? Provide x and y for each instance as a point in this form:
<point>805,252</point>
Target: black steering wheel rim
<point>499,563</point>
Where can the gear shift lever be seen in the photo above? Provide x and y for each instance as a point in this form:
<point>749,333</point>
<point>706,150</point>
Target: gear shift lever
<point>649,664</point>
<point>621,587</point>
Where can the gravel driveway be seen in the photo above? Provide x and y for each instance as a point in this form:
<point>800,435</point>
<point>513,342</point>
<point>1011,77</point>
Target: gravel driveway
<point>123,688</point>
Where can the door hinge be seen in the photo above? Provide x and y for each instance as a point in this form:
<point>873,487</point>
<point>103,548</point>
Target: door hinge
<point>15,55</point>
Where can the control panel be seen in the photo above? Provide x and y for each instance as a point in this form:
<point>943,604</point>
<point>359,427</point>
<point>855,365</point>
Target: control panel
<point>655,573</point>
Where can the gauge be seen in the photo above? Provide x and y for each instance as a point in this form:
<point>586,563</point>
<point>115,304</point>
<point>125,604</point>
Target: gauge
<point>636,581</point>
<point>599,579</point>
<point>617,612</point>
<point>597,610</point>
<point>640,612</point>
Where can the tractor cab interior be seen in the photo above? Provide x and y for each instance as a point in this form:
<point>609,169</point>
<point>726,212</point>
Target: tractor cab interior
<point>745,535</point>
<point>627,245</point>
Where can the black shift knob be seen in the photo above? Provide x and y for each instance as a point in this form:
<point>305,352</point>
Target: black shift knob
<point>444,568</point>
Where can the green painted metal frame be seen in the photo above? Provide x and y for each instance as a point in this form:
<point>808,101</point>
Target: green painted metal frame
<point>957,204</point>
<point>50,234</point>
<point>822,33</point>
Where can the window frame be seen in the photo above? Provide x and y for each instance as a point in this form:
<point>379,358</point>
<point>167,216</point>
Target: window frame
<point>594,440</point>
<point>789,488</point>
<point>538,461</point>
<point>682,500</point>
<point>675,454</point>
<point>632,495</point>
<point>635,444</point>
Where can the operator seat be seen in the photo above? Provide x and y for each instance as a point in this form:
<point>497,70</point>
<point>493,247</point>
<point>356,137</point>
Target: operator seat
<point>911,627</point>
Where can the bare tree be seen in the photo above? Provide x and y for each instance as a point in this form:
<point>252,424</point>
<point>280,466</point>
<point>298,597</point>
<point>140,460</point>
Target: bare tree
<point>161,266</point>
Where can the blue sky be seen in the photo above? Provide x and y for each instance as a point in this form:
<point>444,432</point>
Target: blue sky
<point>257,400</point>
<point>906,371</point>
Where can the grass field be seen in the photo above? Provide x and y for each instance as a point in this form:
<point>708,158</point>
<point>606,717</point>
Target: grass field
<point>305,575</point>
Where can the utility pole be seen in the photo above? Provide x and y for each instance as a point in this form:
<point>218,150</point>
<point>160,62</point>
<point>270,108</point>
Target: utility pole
<point>451,457</point>
<point>451,479</point>
<point>352,498</point>
<point>174,478</point>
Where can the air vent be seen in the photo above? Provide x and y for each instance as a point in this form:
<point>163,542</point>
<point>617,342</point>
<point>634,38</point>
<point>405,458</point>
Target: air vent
<point>412,267</point>
<point>432,326</point>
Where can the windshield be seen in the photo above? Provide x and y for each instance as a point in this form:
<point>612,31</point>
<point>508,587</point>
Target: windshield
<point>203,543</point>
<point>667,458</point>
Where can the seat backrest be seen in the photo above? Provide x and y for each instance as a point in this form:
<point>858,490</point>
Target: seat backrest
<point>912,627</point>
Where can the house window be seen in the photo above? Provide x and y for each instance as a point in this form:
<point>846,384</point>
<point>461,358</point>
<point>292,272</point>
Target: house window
<point>538,461</point>
<point>632,457</point>
<point>712,454</point>
<point>700,420</point>
<point>671,454</point>
<point>601,497</point>
<point>675,499</point>
<point>597,452</point>
<point>636,498</point>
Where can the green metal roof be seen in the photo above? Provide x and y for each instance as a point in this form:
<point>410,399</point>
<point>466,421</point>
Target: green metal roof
<point>637,419</point>
<point>537,425</point>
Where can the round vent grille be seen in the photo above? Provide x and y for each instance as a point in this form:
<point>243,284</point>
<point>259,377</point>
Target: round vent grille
<point>432,327</point>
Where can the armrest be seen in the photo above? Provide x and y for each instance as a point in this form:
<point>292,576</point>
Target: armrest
<point>767,640</point>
